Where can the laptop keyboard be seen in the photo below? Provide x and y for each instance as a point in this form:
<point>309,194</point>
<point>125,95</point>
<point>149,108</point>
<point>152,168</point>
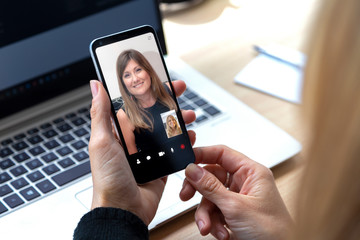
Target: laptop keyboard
<point>190,100</point>
<point>204,110</point>
<point>43,159</point>
<point>47,157</point>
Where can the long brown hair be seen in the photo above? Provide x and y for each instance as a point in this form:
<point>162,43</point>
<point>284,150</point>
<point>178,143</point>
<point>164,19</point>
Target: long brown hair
<point>329,197</point>
<point>172,131</point>
<point>134,110</point>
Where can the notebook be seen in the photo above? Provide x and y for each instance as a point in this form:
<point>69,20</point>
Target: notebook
<point>45,179</point>
<point>277,71</point>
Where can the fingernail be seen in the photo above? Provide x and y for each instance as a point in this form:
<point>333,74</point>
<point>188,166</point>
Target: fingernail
<point>184,184</point>
<point>220,235</point>
<point>194,172</point>
<point>200,224</point>
<point>94,88</point>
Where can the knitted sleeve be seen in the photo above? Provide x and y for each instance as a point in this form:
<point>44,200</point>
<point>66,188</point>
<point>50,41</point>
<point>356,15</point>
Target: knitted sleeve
<point>110,223</point>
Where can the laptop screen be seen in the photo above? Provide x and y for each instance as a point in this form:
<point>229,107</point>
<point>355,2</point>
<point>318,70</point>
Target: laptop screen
<point>44,45</point>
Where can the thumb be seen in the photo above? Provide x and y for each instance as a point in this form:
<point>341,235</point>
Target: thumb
<point>100,109</point>
<point>206,184</point>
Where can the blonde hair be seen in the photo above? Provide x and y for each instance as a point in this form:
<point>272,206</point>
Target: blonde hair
<point>329,196</point>
<point>133,109</point>
<point>172,131</point>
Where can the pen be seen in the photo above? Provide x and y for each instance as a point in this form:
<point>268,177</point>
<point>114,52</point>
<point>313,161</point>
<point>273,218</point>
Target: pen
<point>277,55</point>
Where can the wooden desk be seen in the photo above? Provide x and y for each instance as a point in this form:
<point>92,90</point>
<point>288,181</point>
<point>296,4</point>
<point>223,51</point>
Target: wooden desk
<point>216,38</point>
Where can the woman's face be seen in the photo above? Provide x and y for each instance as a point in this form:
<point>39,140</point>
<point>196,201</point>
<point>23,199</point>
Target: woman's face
<point>171,122</point>
<point>136,79</point>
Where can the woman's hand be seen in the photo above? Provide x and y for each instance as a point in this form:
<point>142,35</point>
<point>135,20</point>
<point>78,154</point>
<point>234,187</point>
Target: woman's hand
<point>113,182</point>
<point>238,194</point>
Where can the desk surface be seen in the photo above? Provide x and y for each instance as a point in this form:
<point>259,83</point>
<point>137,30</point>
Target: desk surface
<point>216,38</point>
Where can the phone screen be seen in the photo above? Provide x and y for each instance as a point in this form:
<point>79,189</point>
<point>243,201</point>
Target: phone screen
<point>146,113</point>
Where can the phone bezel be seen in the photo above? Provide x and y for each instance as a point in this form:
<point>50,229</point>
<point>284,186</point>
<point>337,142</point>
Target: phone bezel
<point>154,169</point>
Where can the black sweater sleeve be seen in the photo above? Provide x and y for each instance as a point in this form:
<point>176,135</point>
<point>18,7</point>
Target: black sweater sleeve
<point>110,223</point>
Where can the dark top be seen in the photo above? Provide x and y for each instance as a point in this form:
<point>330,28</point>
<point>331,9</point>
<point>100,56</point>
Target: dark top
<point>147,140</point>
<point>110,223</point>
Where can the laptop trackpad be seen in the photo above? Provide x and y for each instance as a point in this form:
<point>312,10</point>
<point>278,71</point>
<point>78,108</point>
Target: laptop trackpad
<point>85,197</point>
<point>171,192</point>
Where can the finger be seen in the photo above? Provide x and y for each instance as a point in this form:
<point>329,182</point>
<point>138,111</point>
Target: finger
<point>203,216</point>
<point>207,184</point>
<point>218,171</point>
<point>179,87</point>
<point>218,229</point>
<point>192,136</point>
<point>188,116</point>
<point>100,113</point>
<point>226,157</point>
<point>188,191</point>
<point>102,137</point>
<point>210,219</point>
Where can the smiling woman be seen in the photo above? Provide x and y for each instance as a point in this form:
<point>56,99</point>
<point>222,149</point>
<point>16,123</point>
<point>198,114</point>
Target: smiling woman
<point>145,98</point>
<point>137,82</point>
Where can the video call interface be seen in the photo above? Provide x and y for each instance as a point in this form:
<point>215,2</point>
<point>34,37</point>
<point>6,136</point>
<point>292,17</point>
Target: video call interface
<point>49,43</point>
<point>133,71</point>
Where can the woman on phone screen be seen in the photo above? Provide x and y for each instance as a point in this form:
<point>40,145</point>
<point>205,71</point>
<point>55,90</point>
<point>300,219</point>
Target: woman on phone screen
<point>145,98</point>
<point>172,127</point>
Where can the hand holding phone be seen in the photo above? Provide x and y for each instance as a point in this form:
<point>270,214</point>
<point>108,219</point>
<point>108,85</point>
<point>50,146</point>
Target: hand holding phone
<point>146,113</point>
<point>113,182</point>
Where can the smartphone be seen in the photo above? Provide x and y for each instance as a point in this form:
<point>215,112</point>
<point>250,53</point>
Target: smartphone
<point>145,111</point>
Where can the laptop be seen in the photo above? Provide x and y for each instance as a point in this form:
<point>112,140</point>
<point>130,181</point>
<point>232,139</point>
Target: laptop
<point>45,179</point>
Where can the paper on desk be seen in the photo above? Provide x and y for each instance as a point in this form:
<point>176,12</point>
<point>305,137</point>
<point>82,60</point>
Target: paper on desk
<point>273,77</point>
